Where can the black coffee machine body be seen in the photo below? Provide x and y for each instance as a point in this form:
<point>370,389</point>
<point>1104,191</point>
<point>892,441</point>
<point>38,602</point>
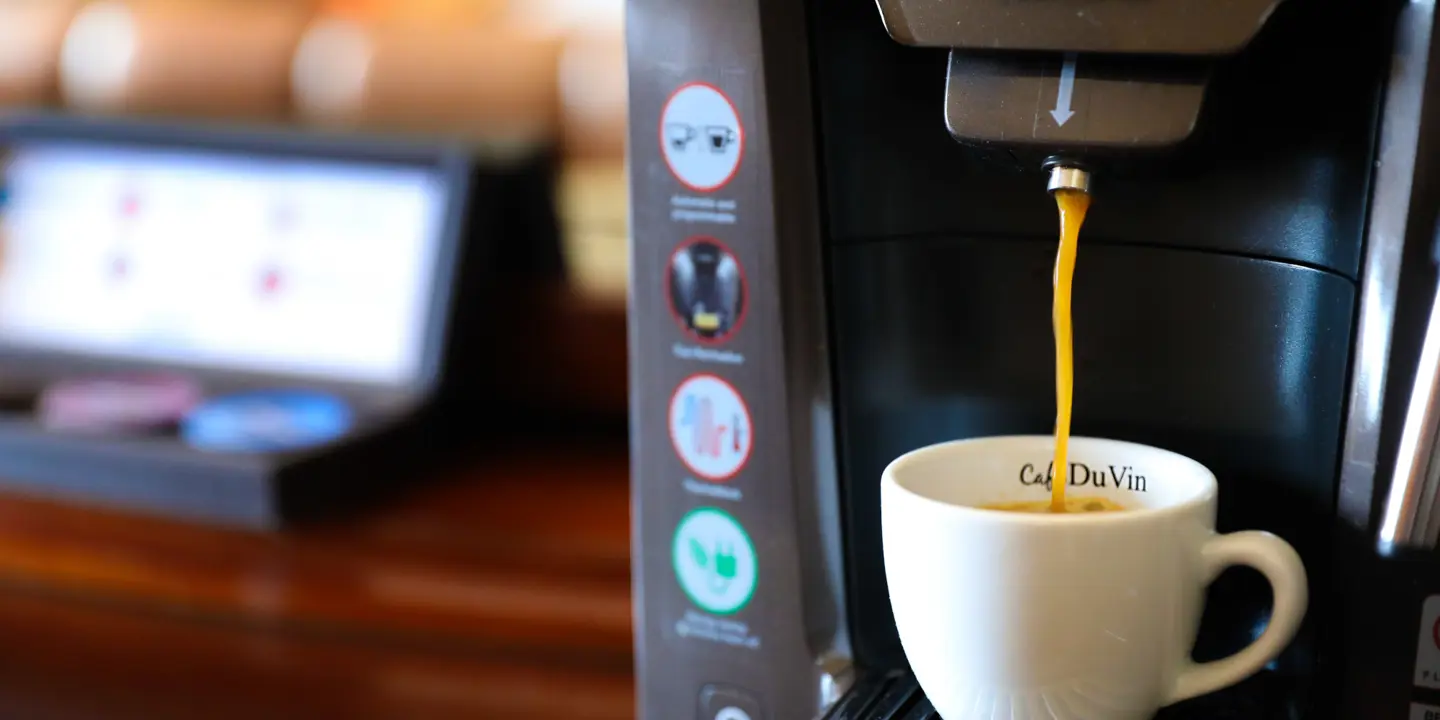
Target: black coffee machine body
<point>1254,289</point>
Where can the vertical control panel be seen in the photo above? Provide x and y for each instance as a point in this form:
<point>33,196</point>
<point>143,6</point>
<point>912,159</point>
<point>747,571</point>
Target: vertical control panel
<point>736,565</point>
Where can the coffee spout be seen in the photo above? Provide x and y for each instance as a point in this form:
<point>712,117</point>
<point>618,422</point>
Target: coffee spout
<point>1068,177</point>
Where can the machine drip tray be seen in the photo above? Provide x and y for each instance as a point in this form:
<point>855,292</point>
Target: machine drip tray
<point>891,696</point>
<point>896,696</point>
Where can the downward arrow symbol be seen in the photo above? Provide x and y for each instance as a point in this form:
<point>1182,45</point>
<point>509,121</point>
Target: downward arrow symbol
<point>1062,112</point>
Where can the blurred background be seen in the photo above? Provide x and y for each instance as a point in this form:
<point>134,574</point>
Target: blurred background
<point>493,72</point>
<point>222,498</point>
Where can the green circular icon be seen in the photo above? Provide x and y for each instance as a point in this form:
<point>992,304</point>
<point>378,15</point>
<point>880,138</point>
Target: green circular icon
<point>714,561</point>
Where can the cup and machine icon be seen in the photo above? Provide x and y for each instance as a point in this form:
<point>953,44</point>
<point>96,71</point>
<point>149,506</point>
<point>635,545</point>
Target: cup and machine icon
<point>281,319</point>
<point>1240,298</point>
<point>701,136</point>
<point>716,138</point>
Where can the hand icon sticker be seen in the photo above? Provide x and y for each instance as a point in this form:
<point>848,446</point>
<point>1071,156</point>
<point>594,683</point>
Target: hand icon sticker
<point>714,561</point>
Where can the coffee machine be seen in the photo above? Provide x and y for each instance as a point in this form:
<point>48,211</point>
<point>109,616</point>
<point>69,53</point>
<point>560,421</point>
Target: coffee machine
<point>1256,289</point>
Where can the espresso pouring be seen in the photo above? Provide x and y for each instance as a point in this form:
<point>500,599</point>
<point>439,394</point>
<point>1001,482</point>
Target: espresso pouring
<point>1073,203</point>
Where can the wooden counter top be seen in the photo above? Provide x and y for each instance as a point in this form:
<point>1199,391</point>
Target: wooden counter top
<point>498,591</point>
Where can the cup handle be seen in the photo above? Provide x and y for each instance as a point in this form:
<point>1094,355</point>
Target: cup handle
<point>1281,566</point>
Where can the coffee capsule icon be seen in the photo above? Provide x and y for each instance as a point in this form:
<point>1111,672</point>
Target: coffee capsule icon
<point>707,289</point>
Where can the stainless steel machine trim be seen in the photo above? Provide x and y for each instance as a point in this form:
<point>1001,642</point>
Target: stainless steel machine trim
<point>1384,246</point>
<point>814,456</point>
<point>1410,510</point>
<point>805,335</point>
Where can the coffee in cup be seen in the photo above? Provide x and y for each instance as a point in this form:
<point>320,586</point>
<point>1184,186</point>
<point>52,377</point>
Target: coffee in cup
<point>1083,616</point>
<point>1072,505</point>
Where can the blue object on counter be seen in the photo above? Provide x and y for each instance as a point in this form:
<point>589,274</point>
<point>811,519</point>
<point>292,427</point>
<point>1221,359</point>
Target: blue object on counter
<point>267,421</point>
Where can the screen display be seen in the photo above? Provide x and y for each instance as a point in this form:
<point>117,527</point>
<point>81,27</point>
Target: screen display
<point>318,268</point>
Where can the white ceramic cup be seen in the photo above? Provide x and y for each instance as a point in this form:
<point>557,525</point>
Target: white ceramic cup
<point>1020,616</point>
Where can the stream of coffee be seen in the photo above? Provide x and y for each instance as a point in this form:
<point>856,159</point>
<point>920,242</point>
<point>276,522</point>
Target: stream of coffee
<point>1073,205</point>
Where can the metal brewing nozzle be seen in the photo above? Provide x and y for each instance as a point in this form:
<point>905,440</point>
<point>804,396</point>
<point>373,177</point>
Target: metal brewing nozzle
<point>1068,178</point>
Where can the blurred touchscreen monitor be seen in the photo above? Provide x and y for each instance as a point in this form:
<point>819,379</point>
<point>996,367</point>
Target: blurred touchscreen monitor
<point>231,324</point>
<point>290,266</point>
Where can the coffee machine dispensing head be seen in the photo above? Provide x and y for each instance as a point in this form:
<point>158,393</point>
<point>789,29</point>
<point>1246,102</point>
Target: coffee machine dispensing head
<point>1089,79</point>
<point>1151,27</point>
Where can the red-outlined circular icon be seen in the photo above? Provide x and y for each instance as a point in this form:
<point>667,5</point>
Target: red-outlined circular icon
<point>709,295</point>
<point>701,137</point>
<point>710,427</point>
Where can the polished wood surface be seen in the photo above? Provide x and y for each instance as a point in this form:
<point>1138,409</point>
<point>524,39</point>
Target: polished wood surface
<point>500,590</point>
